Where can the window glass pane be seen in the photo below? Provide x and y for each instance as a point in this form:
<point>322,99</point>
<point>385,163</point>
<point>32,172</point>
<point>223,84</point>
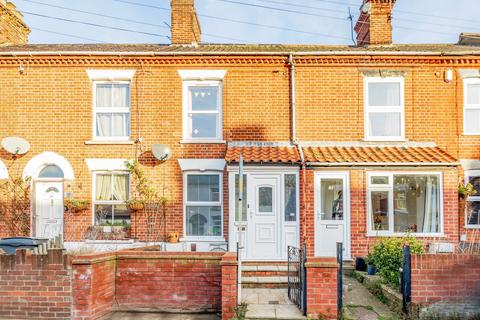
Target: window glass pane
<point>386,94</point>
<point>473,94</point>
<point>204,221</point>
<point>51,171</point>
<point>245,200</point>
<point>472,120</point>
<point>379,180</point>
<point>475,181</point>
<point>265,199</point>
<point>385,124</point>
<point>290,197</point>
<point>103,214</point>
<point>472,210</point>
<point>331,193</point>
<point>103,187</point>
<point>104,124</point>
<point>120,187</point>
<point>104,95</point>
<point>416,203</point>
<point>204,188</point>
<point>121,215</point>
<point>120,125</point>
<point>379,207</point>
<point>120,96</point>
<point>204,125</point>
<point>204,98</point>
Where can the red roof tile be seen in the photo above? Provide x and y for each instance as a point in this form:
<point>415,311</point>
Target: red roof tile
<point>377,154</point>
<point>263,154</point>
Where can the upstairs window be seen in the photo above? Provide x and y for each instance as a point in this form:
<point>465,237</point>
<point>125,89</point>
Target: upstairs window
<point>471,112</point>
<point>384,109</point>
<point>112,110</point>
<point>202,110</point>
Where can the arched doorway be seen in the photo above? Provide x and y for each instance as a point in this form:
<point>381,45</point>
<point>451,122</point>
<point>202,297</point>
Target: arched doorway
<point>48,172</point>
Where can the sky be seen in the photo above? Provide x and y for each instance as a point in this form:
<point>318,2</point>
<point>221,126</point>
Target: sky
<point>262,21</point>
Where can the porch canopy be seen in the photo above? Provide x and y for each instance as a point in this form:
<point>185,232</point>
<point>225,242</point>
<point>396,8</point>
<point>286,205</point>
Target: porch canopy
<point>263,153</point>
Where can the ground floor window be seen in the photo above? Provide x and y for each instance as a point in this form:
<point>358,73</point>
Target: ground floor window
<point>111,192</point>
<point>404,202</point>
<point>472,203</point>
<point>203,204</point>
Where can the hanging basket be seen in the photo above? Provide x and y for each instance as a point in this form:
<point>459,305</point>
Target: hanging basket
<point>76,206</point>
<point>136,205</point>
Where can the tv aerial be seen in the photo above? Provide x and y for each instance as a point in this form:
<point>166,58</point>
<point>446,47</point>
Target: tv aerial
<point>161,152</point>
<point>15,145</point>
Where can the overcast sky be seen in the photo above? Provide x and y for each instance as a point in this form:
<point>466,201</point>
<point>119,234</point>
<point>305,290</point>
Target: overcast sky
<point>325,21</point>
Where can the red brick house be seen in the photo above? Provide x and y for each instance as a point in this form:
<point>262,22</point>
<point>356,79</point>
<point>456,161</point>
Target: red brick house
<point>340,143</point>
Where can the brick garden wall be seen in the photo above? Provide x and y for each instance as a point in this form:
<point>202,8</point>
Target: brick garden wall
<point>445,277</point>
<point>322,288</point>
<point>35,286</point>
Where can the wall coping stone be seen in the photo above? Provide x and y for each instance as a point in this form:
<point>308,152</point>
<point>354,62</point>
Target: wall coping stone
<point>321,262</point>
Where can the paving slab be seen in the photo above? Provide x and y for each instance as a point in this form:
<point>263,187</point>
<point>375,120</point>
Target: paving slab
<point>158,316</point>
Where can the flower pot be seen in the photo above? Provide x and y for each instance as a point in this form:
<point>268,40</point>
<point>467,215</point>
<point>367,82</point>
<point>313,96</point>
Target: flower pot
<point>136,206</point>
<point>371,270</point>
<point>173,237</point>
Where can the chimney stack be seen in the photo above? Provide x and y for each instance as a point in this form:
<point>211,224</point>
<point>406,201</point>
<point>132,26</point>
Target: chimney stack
<point>13,30</point>
<point>374,26</point>
<point>185,24</point>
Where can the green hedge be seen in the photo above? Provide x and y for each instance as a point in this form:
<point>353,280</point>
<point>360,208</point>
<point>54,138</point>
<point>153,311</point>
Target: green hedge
<point>387,256</point>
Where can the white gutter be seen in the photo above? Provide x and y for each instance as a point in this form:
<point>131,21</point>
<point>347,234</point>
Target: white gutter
<point>223,53</point>
<point>382,164</point>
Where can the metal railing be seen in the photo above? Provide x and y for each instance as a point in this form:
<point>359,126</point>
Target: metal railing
<point>297,277</point>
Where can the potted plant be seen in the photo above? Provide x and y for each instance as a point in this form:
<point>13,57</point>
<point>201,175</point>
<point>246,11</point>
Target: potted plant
<point>75,206</point>
<point>135,204</point>
<point>173,237</point>
<point>371,269</point>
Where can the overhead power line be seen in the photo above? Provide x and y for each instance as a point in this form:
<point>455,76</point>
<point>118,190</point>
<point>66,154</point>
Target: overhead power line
<point>96,14</point>
<point>95,24</point>
<point>68,35</point>
<point>301,6</point>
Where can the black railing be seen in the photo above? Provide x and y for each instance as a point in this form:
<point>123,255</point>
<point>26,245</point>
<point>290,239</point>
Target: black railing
<point>297,277</point>
<point>405,280</point>
<point>340,280</point>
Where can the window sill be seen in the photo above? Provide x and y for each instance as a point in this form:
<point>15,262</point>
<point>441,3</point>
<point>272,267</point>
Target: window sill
<point>109,241</point>
<point>202,141</point>
<point>203,239</point>
<point>385,140</point>
<point>472,227</point>
<point>415,235</point>
<point>109,142</point>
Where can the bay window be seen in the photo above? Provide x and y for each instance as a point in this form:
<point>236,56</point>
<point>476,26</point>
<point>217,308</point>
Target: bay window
<point>471,110</point>
<point>384,109</point>
<point>203,204</point>
<point>472,203</point>
<point>404,202</point>
<point>112,110</point>
<point>111,193</point>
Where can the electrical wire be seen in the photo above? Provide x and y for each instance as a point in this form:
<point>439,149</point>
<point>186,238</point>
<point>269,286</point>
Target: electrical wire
<point>68,35</point>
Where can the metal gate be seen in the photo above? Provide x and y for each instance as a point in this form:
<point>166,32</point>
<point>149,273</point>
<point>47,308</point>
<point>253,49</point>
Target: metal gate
<point>297,277</point>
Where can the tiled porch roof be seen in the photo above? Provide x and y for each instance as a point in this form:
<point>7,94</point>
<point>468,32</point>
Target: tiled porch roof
<point>263,153</point>
<point>382,155</point>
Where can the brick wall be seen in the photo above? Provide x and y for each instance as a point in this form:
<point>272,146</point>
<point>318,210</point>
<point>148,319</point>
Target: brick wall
<point>35,286</point>
<point>445,277</point>
<point>322,288</point>
<point>229,285</point>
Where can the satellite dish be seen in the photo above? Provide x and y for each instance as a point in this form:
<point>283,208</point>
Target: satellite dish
<point>15,145</point>
<point>161,152</point>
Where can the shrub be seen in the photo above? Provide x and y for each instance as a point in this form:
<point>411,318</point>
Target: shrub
<point>387,256</point>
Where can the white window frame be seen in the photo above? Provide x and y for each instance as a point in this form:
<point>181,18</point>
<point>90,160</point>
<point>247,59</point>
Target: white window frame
<point>389,187</point>
<point>469,174</point>
<point>203,203</point>
<point>390,109</point>
<point>187,111</point>
<point>107,202</point>
<point>467,106</point>
<point>111,110</point>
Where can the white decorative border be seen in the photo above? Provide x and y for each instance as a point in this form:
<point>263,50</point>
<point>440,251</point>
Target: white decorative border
<point>109,75</point>
<point>202,164</point>
<point>106,164</point>
<point>36,164</point>
<point>202,74</point>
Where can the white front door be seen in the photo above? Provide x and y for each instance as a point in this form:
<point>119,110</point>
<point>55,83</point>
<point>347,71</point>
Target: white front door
<point>264,237</point>
<point>48,209</point>
<point>332,213</point>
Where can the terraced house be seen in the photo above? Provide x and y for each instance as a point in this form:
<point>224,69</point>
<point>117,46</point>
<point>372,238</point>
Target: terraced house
<point>339,143</point>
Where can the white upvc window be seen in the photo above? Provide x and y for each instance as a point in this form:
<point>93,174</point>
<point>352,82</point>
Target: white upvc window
<point>403,202</point>
<point>472,203</point>
<point>471,109</point>
<point>202,111</point>
<point>384,109</point>
<point>111,190</point>
<point>111,119</point>
<point>203,205</point>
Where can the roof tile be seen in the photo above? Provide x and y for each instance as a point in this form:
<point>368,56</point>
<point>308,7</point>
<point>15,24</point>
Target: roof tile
<point>263,154</point>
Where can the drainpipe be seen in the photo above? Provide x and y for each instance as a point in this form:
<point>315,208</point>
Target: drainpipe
<point>293,108</point>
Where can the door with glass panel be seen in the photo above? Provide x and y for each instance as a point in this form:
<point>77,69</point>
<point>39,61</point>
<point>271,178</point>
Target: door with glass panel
<point>263,219</point>
<point>331,213</point>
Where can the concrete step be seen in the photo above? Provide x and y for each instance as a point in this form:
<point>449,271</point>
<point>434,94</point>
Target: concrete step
<point>265,270</point>
<point>265,282</point>
<point>265,296</point>
<point>272,312</point>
